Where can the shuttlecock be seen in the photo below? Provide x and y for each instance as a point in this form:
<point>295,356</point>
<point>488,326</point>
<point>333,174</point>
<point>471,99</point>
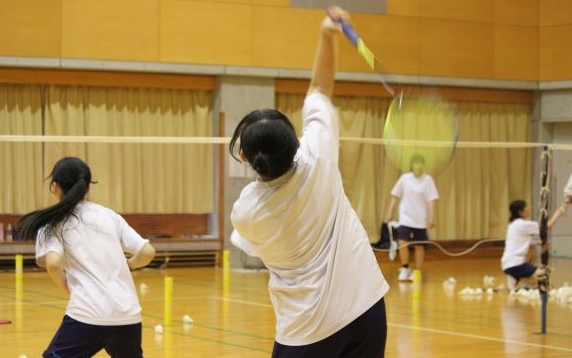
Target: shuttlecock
<point>159,329</point>
<point>143,288</point>
<point>465,291</point>
<point>488,281</point>
<point>22,356</point>
<point>187,319</point>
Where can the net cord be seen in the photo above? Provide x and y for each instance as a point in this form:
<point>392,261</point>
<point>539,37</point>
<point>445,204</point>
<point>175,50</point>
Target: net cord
<point>226,140</point>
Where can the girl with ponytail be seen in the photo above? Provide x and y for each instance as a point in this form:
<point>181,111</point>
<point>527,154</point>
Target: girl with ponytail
<point>82,245</point>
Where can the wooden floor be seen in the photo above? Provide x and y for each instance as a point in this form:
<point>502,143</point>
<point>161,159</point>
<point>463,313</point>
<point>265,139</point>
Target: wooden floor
<point>233,316</point>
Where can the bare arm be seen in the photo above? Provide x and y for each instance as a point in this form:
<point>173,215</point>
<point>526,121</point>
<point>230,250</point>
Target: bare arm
<point>56,271</point>
<point>142,258</point>
<point>561,211</point>
<point>431,218</point>
<point>392,204</point>
<point>324,66</point>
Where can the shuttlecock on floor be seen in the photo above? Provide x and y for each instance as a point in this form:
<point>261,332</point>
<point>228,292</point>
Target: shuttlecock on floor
<point>159,329</point>
<point>488,281</point>
<point>187,319</point>
<point>143,288</point>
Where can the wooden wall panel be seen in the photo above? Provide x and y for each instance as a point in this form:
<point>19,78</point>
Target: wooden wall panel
<point>283,3</point>
<point>516,53</point>
<point>516,12</point>
<point>394,40</point>
<point>458,49</point>
<point>440,37</point>
<point>402,7</point>
<point>107,79</point>
<point>555,53</point>
<point>206,33</point>
<point>110,29</point>
<point>285,37</point>
<point>465,10</point>
<point>30,28</point>
<point>555,12</point>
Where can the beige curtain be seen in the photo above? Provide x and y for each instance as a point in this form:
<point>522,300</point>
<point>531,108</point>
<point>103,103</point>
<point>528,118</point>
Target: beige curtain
<point>21,163</point>
<point>138,178</point>
<point>132,178</point>
<point>475,189</point>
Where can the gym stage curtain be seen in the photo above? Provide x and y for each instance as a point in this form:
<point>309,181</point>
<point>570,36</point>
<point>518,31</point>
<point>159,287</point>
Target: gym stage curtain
<point>132,178</point>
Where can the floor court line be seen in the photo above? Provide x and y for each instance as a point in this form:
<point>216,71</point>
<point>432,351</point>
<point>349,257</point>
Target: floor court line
<point>424,329</point>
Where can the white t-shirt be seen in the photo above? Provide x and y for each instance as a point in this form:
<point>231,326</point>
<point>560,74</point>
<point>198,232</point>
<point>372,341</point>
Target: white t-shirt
<point>517,242</point>
<point>415,193</point>
<point>101,287</point>
<point>323,273</point>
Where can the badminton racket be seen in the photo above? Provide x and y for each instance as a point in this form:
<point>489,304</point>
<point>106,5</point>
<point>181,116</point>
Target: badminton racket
<point>418,122</point>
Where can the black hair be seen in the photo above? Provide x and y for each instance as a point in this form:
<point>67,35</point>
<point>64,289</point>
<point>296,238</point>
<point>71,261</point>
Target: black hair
<point>516,208</point>
<point>268,141</point>
<point>73,176</point>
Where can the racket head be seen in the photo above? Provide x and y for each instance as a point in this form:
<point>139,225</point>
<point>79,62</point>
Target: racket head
<point>421,127</point>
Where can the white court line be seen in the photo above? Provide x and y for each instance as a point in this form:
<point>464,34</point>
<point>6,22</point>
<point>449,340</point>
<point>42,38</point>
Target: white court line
<point>249,303</point>
<point>485,338</point>
<point>431,330</point>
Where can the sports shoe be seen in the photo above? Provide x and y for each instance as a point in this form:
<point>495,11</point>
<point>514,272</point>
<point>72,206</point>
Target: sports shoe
<point>405,274</point>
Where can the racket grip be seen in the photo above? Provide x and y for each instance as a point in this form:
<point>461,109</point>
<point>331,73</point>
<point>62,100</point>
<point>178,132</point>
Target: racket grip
<point>348,30</point>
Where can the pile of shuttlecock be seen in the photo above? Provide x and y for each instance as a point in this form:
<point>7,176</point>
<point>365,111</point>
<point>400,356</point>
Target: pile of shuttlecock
<point>488,281</point>
<point>562,295</point>
<point>526,295</point>
<point>487,288</point>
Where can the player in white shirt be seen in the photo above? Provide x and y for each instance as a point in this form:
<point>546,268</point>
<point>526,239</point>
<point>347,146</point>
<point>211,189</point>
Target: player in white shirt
<point>416,193</point>
<point>325,283</point>
<point>517,255</point>
<point>82,246</point>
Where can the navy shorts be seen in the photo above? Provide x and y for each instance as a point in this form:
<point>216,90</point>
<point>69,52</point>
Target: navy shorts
<point>412,234</point>
<point>75,339</point>
<point>524,270</point>
<point>364,337</point>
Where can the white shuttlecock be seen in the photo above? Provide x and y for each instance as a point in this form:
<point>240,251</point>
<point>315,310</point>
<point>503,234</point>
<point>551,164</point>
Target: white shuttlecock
<point>488,281</point>
<point>158,329</point>
<point>452,280</point>
<point>143,288</point>
<point>22,356</point>
<point>187,319</point>
<point>465,291</point>
<point>490,291</point>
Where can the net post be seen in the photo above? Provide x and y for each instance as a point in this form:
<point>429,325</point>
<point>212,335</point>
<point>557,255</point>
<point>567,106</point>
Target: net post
<point>544,284</point>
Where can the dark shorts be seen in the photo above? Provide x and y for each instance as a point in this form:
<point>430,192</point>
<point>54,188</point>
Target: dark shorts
<point>524,270</point>
<point>75,339</point>
<point>364,337</point>
<point>412,234</point>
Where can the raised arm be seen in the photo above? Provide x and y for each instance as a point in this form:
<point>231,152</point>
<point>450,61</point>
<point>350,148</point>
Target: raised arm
<point>561,211</point>
<point>324,66</point>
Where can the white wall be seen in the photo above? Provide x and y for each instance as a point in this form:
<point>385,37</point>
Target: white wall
<point>556,117</point>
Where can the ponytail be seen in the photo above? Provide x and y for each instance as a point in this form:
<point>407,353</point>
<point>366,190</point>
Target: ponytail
<point>73,177</point>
